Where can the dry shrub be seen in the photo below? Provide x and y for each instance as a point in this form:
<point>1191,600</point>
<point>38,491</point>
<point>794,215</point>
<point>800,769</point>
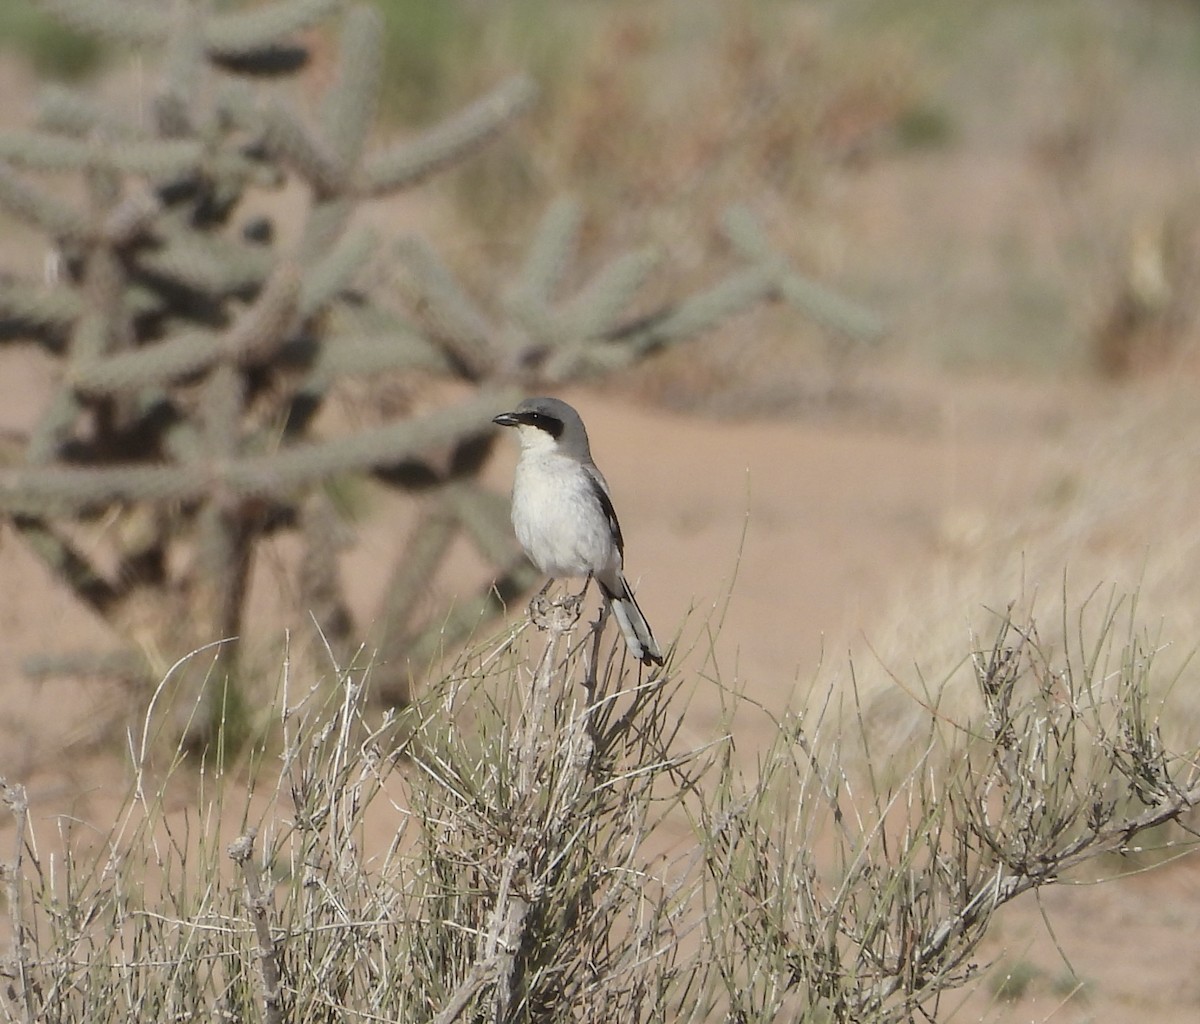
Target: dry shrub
<point>555,851</point>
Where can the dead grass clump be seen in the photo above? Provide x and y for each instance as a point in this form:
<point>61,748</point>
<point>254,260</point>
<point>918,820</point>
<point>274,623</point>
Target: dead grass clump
<point>557,853</point>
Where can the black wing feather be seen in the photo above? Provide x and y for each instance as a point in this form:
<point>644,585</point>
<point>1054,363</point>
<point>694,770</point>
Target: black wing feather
<point>610,513</point>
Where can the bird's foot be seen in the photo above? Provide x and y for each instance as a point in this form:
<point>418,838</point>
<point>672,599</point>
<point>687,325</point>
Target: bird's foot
<point>559,615</point>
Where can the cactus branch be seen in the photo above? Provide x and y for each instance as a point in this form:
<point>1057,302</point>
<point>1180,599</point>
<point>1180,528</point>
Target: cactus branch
<point>58,489</point>
<point>293,142</point>
<point>31,204</point>
<point>153,158</point>
<point>406,163</point>
<point>348,109</point>
<point>452,317</point>
<point>68,563</point>
<point>246,32</point>
<point>199,341</point>
<point>554,245</point>
<point>128,22</point>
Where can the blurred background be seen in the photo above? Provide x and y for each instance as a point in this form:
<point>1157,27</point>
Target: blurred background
<point>1010,186</point>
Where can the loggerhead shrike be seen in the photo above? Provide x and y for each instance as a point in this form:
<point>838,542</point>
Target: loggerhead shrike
<point>563,515</point>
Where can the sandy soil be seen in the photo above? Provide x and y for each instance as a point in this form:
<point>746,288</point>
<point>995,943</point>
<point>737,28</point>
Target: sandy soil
<point>878,531</point>
<point>818,534</point>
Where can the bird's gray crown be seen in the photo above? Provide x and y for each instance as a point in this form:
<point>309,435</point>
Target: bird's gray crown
<point>553,416</point>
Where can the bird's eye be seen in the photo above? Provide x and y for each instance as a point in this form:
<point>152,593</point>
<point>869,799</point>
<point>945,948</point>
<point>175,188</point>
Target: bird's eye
<point>550,424</point>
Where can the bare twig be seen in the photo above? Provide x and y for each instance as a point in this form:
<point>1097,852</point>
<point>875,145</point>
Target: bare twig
<point>241,850</point>
<point>14,798</point>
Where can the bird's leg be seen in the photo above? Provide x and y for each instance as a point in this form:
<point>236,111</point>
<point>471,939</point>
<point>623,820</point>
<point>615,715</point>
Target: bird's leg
<point>572,603</point>
<point>586,583</point>
<point>601,620</point>
<point>538,603</point>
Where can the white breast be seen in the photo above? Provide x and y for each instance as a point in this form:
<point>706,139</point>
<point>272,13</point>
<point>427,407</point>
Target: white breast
<point>557,518</point>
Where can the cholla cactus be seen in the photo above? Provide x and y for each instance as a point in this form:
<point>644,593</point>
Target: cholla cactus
<point>196,348</point>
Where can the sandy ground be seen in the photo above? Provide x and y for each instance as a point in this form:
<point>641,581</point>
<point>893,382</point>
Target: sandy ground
<point>816,535</point>
<point>878,531</point>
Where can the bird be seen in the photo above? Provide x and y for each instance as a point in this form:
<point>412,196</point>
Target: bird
<point>563,516</point>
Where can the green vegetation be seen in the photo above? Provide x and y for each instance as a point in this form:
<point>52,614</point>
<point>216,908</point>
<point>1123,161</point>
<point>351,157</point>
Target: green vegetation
<point>54,50</point>
<point>1010,982</point>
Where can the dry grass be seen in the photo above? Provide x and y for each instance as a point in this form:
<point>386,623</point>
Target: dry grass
<point>558,852</point>
<point>799,887</point>
<point>1118,517</point>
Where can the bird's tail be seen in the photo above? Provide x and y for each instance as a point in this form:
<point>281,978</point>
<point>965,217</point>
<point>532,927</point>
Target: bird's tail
<point>631,620</point>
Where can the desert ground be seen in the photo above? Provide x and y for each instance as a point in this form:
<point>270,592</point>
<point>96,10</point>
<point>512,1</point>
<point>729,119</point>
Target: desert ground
<point>819,542</point>
<point>876,511</point>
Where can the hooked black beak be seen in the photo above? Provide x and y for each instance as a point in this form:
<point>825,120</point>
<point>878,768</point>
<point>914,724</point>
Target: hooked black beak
<point>506,419</point>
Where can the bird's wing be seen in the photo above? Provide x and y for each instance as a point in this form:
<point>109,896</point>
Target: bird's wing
<point>600,490</point>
